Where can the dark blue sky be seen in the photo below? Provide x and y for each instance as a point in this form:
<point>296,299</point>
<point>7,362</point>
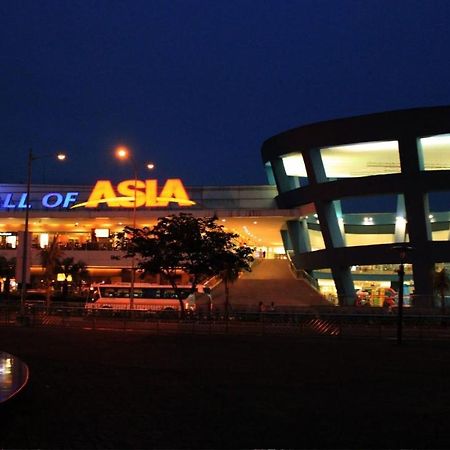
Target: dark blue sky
<point>197,86</point>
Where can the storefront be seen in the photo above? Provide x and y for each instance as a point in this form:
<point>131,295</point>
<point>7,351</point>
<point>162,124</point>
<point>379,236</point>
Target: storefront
<point>85,219</point>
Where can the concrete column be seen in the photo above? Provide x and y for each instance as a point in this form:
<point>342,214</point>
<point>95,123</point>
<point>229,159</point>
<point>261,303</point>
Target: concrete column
<point>283,182</point>
<point>332,229</point>
<point>423,270</point>
<point>326,211</point>
<point>269,174</point>
<point>400,220</point>
<point>344,285</point>
<point>287,243</point>
<point>314,166</point>
<point>417,211</point>
<point>19,258</point>
<point>299,236</point>
<point>340,218</point>
<point>329,224</point>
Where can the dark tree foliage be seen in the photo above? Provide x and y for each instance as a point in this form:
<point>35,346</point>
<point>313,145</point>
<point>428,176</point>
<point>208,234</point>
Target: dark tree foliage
<point>441,284</point>
<point>50,257</point>
<point>52,262</point>
<point>76,269</point>
<point>198,246</point>
<point>229,270</point>
<point>7,271</point>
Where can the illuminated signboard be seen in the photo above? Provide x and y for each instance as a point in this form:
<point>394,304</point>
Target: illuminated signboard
<point>145,194</point>
<point>50,200</point>
<point>124,195</point>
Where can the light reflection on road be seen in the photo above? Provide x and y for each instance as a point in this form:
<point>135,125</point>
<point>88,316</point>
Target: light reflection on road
<point>13,376</point>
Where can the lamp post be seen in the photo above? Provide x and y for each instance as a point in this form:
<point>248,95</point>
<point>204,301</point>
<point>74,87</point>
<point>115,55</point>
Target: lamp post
<point>124,154</point>
<point>31,158</point>
<point>402,249</point>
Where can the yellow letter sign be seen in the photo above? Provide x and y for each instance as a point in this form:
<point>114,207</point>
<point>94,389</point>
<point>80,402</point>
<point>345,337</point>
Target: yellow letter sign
<point>137,193</point>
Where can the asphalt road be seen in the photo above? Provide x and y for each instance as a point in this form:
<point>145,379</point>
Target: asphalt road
<point>91,389</point>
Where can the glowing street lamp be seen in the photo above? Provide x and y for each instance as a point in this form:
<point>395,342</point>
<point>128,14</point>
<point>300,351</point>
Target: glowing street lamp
<point>123,153</point>
<point>31,158</point>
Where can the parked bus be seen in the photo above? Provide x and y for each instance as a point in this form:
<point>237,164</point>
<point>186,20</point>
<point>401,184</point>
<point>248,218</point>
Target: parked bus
<point>146,297</point>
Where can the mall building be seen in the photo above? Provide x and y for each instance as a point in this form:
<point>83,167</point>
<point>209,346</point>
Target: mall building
<point>86,218</point>
<point>346,202</point>
<point>379,186</point>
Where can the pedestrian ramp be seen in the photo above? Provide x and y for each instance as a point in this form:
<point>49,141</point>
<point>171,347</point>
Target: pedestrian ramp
<point>270,281</point>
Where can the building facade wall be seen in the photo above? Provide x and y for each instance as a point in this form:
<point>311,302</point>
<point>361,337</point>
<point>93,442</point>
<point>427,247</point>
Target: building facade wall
<point>241,209</point>
<point>405,154</point>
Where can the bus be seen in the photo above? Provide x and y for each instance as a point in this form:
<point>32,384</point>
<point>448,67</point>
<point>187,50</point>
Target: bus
<point>146,297</point>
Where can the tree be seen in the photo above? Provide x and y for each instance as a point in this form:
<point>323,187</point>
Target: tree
<point>442,285</point>
<point>79,273</point>
<point>7,271</point>
<point>229,265</point>
<point>198,246</point>
<point>77,270</point>
<point>50,257</point>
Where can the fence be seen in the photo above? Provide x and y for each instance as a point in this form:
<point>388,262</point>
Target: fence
<point>308,323</point>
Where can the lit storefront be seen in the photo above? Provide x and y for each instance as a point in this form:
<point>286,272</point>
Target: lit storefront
<point>85,219</point>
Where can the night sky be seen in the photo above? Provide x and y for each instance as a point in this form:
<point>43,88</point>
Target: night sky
<point>197,86</point>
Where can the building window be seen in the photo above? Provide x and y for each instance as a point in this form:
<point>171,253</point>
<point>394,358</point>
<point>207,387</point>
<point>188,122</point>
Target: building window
<point>294,166</point>
<point>439,215</point>
<point>435,152</point>
<point>360,160</point>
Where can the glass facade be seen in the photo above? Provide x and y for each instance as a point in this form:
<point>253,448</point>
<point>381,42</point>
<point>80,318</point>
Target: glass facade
<point>294,166</point>
<point>315,237</point>
<point>435,152</point>
<point>360,160</point>
<point>369,186</point>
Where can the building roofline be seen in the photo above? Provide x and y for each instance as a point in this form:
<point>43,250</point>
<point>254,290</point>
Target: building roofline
<point>381,126</point>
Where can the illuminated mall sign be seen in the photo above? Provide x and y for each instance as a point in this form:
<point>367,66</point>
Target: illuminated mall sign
<point>51,200</point>
<point>127,194</point>
<point>144,193</point>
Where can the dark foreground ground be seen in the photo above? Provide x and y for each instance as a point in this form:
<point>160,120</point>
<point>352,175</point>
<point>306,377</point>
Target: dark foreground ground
<point>115,390</point>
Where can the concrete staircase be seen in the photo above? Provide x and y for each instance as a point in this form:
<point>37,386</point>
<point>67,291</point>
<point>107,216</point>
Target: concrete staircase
<point>271,280</point>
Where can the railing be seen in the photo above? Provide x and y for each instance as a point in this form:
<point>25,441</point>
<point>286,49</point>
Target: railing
<point>318,322</point>
<point>414,301</point>
<point>212,282</point>
<point>300,273</point>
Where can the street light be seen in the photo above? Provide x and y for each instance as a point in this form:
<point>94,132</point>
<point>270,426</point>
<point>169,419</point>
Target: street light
<point>402,250</point>
<point>123,153</point>
<point>31,158</point>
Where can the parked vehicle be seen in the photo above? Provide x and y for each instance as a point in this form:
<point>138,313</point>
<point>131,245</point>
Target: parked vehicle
<point>146,297</point>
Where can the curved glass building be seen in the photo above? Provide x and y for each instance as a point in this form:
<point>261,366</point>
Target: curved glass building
<point>371,192</point>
